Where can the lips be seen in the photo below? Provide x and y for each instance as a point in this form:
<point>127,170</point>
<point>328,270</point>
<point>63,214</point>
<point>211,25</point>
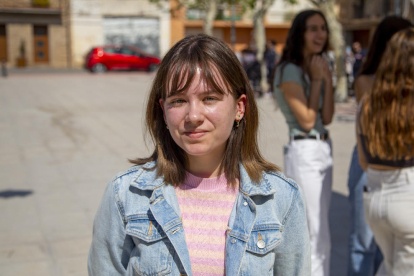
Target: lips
<point>195,134</point>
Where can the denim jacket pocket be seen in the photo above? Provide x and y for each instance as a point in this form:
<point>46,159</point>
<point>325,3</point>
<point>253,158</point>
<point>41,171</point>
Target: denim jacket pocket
<point>153,254</point>
<point>264,238</point>
<point>259,258</point>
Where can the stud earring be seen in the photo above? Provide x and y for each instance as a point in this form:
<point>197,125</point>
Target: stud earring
<point>167,126</point>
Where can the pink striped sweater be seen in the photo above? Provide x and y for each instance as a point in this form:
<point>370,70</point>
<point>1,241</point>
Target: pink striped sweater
<point>205,205</point>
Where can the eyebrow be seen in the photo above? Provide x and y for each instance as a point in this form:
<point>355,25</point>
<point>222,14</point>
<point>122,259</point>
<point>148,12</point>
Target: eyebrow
<point>207,92</point>
<point>314,25</point>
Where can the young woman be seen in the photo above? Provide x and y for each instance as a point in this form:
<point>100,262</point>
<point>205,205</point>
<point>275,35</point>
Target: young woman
<point>205,202</point>
<point>385,132</point>
<point>303,90</point>
<point>364,256</point>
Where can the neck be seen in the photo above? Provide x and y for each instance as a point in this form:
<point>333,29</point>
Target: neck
<point>204,166</point>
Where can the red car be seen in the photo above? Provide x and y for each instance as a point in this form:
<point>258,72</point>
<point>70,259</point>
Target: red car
<point>120,57</point>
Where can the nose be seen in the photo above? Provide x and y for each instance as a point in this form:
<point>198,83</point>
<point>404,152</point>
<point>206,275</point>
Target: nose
<point>195,114</point>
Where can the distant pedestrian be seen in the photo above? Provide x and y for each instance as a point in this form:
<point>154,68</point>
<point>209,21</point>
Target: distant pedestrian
<point>364,256</point>
<point>271,58</point>
<point>359,57</point>
<point>252,68</point>
<point>303,90</point>
<point>385,131</point>
<point>205,202</point>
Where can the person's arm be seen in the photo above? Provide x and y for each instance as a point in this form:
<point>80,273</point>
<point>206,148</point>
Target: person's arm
<point>111,247</point>
<point>305,110</point>
<point>328,106</point>
<point>293,253</point>
<point>361,156</point>
<point>362,85</point>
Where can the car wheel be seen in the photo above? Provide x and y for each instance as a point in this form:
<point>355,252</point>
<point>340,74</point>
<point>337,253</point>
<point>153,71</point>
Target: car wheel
<point>99,68</point>
<point>153,67</point>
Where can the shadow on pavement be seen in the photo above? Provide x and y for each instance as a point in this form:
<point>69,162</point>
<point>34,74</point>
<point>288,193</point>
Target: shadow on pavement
<point>339,225</point>
<point>14,193</point>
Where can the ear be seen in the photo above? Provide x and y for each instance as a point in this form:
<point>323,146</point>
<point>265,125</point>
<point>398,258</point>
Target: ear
<point>241,107</point>
<point>162,107</point>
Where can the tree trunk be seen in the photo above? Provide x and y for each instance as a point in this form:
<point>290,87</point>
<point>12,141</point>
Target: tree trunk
<point>211,13</point>
<point>259,12</point>
<point>338,44</point>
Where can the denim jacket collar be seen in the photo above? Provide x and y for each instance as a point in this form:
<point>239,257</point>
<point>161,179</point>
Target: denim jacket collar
<point>148,180</point>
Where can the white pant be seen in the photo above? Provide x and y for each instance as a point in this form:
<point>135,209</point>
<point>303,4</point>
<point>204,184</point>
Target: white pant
<point>309,163</point>
<point>389,211</point>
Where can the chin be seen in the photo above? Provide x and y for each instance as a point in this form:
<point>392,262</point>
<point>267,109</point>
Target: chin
<point>196,151</point>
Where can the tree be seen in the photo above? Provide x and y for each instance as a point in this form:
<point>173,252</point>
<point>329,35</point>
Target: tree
<point>260,8</point>
<point>338,44</point>
<point>208,6</point>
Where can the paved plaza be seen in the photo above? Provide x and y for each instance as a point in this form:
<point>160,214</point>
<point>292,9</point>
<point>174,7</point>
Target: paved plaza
<point>64,135</point>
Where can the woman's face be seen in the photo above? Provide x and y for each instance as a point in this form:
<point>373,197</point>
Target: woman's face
<point>200,119</point>
<point>316,35</point>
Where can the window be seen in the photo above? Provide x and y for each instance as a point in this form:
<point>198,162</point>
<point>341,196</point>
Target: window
<point>112,50</point>
<point>129,52</point>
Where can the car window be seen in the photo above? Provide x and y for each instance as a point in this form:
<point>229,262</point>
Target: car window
<point>112,50</point>
<point>129,52</point>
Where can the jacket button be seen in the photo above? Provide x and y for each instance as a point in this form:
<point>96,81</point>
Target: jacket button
<point>233,241</point>
<point>261,244</point>
<point>245,203</point>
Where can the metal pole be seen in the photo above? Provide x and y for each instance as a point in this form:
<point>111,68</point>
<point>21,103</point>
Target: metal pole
<point>233,27</point>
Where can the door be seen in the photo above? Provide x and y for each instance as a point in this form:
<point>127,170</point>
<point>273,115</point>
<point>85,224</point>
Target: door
<point>140,32</point>
<point>41,44</point>
<point>3,43</point>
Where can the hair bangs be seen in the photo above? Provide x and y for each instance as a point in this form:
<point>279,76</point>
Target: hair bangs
<point>182,75</point>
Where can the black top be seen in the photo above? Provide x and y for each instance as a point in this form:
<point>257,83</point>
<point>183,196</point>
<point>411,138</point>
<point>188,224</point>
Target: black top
<point>375,160</point>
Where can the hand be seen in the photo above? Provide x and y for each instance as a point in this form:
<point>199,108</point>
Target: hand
<point>327,74</point>
<point>316,67</point>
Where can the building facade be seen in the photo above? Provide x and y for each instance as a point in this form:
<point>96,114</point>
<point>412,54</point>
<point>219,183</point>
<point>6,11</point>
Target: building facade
<point>359,18</point>
<point>277,23</point>
<point>33,33</point>
<point>134,22</point>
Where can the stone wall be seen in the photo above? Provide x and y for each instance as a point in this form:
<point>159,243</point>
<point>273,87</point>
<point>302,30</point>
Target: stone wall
<point>57,46</point>
<point>54,4</point>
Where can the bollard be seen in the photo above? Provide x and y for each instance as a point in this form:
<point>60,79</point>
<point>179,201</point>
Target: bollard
<point>3,68</point>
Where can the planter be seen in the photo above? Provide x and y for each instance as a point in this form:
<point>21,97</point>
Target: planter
<point>21,62</point>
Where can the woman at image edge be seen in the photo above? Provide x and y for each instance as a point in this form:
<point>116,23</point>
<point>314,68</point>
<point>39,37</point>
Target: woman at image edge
<point>364,256</point>
<point>303,90</point>
<point>385,132</point>
<point>205,202</point>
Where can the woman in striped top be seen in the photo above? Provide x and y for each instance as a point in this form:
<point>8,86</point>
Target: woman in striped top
<point>205,202</point>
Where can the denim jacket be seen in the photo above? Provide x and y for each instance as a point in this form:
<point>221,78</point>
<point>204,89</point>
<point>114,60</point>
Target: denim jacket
<point>138,229</point>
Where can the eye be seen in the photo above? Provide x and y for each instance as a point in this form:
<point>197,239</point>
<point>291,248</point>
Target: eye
<point>210,99</point>
<point>177,102</point>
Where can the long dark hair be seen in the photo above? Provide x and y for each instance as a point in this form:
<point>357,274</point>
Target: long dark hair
<point>295,42</point>
<point>387,112</point>
<point>385,30</point>
<point>175,75</point>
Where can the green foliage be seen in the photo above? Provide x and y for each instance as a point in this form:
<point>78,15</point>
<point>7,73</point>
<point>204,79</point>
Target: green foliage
<point>41,3</point>
<point>22,48</point>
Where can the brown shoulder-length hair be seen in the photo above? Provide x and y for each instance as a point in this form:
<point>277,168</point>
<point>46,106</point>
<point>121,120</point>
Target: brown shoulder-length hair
<point>387,113</point>
<point>175,74</point>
